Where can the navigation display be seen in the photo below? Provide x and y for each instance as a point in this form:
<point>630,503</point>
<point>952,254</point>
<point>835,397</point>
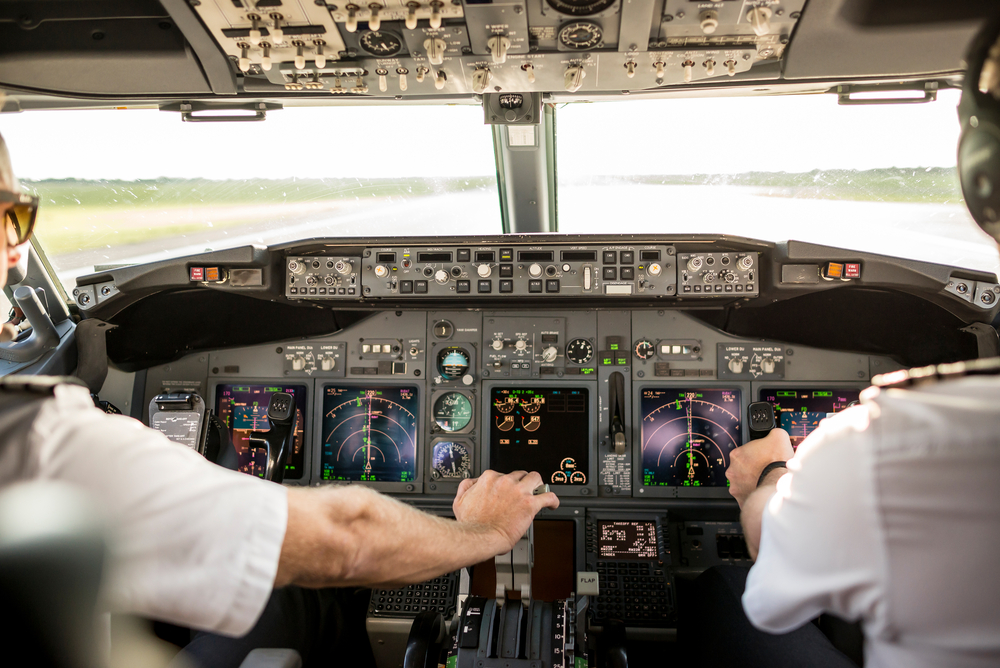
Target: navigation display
<point>687,436</point>
<point>369,433</point>
<point>243,408</point>
<point>541,429</point>
<point>621,539</point>
<point>799,412</point>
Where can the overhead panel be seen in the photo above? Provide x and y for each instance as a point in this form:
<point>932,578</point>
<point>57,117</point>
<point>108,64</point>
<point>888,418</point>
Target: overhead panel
<point>391,48</point>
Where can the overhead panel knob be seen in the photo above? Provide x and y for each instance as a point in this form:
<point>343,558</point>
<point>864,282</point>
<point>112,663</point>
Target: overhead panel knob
<point>549,354</point>
<point>328,363</point>
<point>767,365</point>
<point>298,363</point>
<point>435,50</point>
<point>440,80</point>
<point>320,53</point>
<point>709,67</point>
<point>352,18</point>
<point>530,70</point>
<point>441,276</point>
<point>254,35</point>
<point>688,66</point>
<point>265,61</point>
<point>484,270</point>
<point>535,270</point>
<point>654,269</point>
<point>244,61</point>
<point>736,365</point>
<point>520,344</point>
<point>381,271</point>
<point>277,34</point>
<point>421,72</point>
<point>573,79</point>
<point>659,65</point>
<point>497,344</point>
<point>300,56</point>
<point>630,69</point>
<point>760,20</point>
<point>731,67</point>
<point>709,21</point>
<point>435,20</point>
<point>695,263</point>
<point>498,45</point>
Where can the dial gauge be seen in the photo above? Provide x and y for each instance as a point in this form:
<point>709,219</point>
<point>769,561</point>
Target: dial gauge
<point>580,7</point>
<point>382,44</point>
<point>644,349</point>
<point>453,362</point>
<point>532,404</point>
<point>579,351</point>
<point>580,35</point>
<point>451,460</point>
<point>452,411</point>
<point>507,404</point>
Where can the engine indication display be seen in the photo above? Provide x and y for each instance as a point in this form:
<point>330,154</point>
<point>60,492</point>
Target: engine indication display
<point>541,429</point>
<point>623,539</point>
<point>687,436</point>
<point>369,433</point>
<point>243,409</point>
<point>799,411</point>
<point>451,460</point>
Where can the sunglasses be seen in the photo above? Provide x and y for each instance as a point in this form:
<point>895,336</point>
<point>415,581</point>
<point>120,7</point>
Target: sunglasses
<point>20,215</point>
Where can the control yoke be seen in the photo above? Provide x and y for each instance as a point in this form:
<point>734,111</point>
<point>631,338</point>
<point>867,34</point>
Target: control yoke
<point>43,336</point>
<point>277,441</point>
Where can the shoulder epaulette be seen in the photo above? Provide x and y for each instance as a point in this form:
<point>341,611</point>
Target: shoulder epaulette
<point>989,366</point>
<point>42,385</point>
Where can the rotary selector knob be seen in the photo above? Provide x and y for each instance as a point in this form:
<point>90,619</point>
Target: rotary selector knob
<point>441,276</point>
<point>730,277</point>
<point>342,267</point>
<point>535,270</point>
<point>694,264</point>
<point>521,344</point>
<point>767,365</point>
<point>497,344</point>
<point>484,270</point>
<point>654,269</point>
<point>327,363</point>
<point>296,267</point>
<point>745,262</point>
<point>298,363</point>
<point>549,354</point>
<point>381,271</point>
<point>736,365</point>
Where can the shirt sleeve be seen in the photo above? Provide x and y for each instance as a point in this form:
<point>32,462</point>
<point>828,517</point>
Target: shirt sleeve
<point>821,548</point>
<point>191,543</point>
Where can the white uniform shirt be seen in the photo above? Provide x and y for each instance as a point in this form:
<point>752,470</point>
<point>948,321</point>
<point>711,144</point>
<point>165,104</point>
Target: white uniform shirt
<point>193,543</point>
<point>890,513</point>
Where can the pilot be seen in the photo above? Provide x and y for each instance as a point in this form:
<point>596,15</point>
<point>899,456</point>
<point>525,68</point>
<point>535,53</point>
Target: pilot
<point>201,546</point>
<point>889,513</point>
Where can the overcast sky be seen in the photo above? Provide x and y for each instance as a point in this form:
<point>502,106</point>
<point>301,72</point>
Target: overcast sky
<point>714,135</point>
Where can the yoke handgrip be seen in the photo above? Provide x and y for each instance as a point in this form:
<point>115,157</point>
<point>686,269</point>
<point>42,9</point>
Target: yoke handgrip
<point>277,441</point>
<point>43,337</point>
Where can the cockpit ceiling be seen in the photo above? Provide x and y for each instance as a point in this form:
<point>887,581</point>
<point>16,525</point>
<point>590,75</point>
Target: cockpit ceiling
<point>428,49</point>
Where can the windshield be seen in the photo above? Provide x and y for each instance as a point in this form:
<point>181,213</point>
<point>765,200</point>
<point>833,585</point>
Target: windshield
<point>876,178</point>
<point>128,186</point>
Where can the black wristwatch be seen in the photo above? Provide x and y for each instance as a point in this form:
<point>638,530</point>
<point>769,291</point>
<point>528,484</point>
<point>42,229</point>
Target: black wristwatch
<point>767,469</point>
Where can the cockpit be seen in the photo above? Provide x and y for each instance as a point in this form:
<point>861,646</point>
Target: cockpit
<point>578,237</point>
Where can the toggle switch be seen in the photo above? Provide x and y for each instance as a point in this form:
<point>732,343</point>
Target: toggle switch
<point>374,23</point>
<point>320,53</point>
<point>383,85</point>
<point>265,60</point>
<point>402,72</point>
<point>709,67</point>
<point>688,66</point>
<point>573,79</point>
<point>277,34</point>
<point>760,20</point>
<point>530,69</point>
<point>435,50</point>
<point>254,28</point>
<point>498,45</point>
<point>359,86</point>
<point>440,80</point>
<point>630,69</point>
<point>436,6</point>
<point>659,65</point>
<point>300,55</point>
<point>352,18</point>
<point>411,15</point>
<point>244,61</point>
<point>480,80</point>
<point>421,73</point>
<point>731,67</point>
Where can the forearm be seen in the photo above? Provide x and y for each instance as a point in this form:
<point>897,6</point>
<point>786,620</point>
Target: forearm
<point>344,536</point>
<point>752,513</point>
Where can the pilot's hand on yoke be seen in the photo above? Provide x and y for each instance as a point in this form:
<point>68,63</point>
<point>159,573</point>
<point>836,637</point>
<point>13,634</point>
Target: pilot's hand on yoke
<point>748,461</point>
<point>506,503</point>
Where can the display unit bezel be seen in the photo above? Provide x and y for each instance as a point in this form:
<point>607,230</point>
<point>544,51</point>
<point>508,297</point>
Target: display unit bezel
<point>590,488</point>
<point>307,440</point>
<point>414,487</point>
<point>640,491</point>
